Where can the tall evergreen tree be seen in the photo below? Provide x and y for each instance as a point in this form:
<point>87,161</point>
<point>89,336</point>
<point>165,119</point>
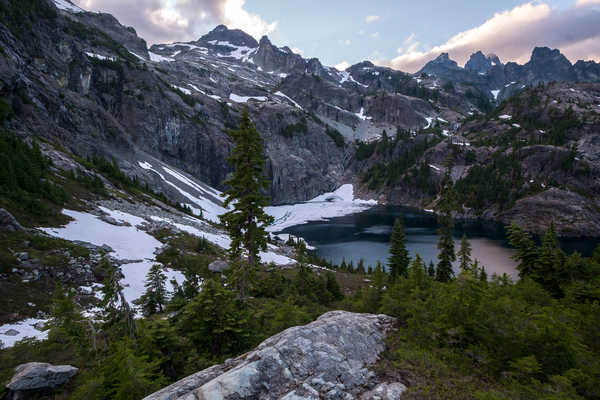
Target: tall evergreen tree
<point>247,221</point>
<point>155,297</point>
<point>445,244</point>
<point>464,254</point>
<point>431,269</point>
<point>526,253</point>
<point>361,267</point>
<point>399,258</point>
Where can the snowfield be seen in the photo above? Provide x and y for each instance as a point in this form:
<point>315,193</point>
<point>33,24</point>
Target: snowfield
<point>329,205</point>
<point>25,329</point>
<point>244,99</point>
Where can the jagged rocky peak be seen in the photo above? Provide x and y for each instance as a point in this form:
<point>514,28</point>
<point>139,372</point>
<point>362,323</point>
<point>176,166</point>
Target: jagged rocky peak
<point>478,62</point>
<point>236,37</point>
<point>548,65</point>
<point>445,60</point>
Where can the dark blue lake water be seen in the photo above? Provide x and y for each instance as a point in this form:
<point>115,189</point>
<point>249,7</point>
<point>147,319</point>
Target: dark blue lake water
<point>366,235</point>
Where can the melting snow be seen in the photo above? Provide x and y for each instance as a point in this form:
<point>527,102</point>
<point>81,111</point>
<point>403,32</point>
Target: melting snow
<point>182,89</point>
<point>128,243</point>
<point>362,115</point>
<point>346,77</point>
<point>429,121</point>
<point>281,94</point>
<point>329,205</point>
<point>244,99</point>
<point>100,57</point>
<point>24,329</point>
<point>505,117</point>
<point>516,125</point>
<point>495,93</point>
<point>158,58</point>
<point>67,6</point>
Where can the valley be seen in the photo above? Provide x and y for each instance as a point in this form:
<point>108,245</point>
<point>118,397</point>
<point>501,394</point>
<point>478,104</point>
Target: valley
<point>133,244</point>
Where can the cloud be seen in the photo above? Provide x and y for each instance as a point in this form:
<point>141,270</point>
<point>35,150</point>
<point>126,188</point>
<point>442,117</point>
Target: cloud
<point>346,42</point>
<point>297,50</point>
<point>371,18</point>
<point>342,66</point>
<point>160,21</point>
<point>374,35</point>
<point>512,34</point>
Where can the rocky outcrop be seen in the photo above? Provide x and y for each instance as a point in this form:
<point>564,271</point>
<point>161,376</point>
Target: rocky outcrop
<point>480,63</point>
<point>8,222</point>
<point>326,359</point>
<point>572,214</point>
<point>36,376</point>
<point>218,266</point>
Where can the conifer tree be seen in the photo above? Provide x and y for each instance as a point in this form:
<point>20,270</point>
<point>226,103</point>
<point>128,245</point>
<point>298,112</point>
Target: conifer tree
<point>155,297</point>
<point>247,221</point>
<point>445,244</point>
<point>343,265</point>
<point>399,258</point>
<point>526,253</point>
<point>113,302</point>
<point>464,254</point>
<point>361,267</point>
<point>431,269</point>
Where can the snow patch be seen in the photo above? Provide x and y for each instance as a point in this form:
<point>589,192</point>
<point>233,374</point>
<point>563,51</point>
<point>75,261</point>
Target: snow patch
<point>158,58</point>
<point>505,117</point>
<point>24,329</point>
<point>495,93</point>
<point>328,205</point>
<point>281,94</point>
<point>362,115</point>
<point>244,99</point>
<point>100,57</point>
<point>67,6</point>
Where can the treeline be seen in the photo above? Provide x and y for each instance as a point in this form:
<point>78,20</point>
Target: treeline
<point>468,337</point>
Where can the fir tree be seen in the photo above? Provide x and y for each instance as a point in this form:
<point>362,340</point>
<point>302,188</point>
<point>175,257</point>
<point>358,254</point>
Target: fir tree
<point>247,221</point>
<point>399,258</point>
<point>464,254</point>
<point>445,244</point>
<point>343,265</point>
<point>155,297</point>
<point>333,286</point>
<point>431,269</point>
<point>361,267</point>
<point>115,307</point>
<point>526,253</point>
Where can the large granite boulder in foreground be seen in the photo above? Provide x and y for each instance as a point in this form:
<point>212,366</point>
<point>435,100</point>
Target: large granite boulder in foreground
<point>326,359</point>
<point>36,376</point>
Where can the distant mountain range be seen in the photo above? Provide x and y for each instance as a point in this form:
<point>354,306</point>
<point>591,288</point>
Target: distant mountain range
<point>90,85</point>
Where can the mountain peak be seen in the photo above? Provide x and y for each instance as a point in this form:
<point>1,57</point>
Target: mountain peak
<point>479,62</point>
<point>264,41</point>
<point>236,37</point>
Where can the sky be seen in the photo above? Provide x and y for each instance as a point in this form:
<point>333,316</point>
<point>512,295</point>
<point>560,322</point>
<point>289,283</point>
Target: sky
<point>400,34</point>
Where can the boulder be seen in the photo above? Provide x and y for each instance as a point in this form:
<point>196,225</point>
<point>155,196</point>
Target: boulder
<point>35,375</point>
<point>218,266</point>
<point>385,391</point>
<point>328,358</point>
<point>8,222</point>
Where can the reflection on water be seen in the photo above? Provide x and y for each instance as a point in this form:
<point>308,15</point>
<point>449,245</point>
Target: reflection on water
<point>366,235</point>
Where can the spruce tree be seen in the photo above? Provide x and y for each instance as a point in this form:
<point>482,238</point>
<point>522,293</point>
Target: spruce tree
<point>526,253</point>
<point>431,269</point>
<point>247,221</point>
<point>399,258</point>
<point>361,267</point>
<point>445,244</point>
<point>464,254</point>
<point>155,297</point>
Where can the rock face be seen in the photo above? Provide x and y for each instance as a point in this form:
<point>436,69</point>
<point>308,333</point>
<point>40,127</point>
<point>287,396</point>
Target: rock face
<point>326,359</point>
<point>34,375</point>
<point>8,222</point>
<point>218,266</point>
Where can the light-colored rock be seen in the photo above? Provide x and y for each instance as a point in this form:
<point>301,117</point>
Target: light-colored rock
<point>385,391</point>
<point>328,358</point>
<point>218,266</point>
<point>8,222</point>
<point>35,375</point>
